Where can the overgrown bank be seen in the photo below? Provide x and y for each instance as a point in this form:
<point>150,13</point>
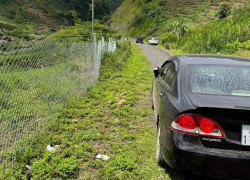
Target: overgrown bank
<point>230,35</point>
<point>189,26</point>
<point>114,118</point>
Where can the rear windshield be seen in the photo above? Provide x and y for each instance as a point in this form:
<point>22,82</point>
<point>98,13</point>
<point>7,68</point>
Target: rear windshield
<point>155,38</point>
<point>219,80</point>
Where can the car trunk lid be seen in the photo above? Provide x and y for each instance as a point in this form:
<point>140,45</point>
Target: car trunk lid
<point>231,113</point>
<point>213,101</point>
<point>231,121</point>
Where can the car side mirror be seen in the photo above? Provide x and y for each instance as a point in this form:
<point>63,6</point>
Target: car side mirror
<point>156,72</point>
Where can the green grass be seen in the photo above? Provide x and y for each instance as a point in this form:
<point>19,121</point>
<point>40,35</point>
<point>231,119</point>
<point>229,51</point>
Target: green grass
<point>228,36</point>
<point>114,118</point>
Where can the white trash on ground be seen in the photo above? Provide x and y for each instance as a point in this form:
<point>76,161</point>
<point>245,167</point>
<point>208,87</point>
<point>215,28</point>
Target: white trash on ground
<point>28,167</point>
<point>51,149</point>
<point>102,157</point>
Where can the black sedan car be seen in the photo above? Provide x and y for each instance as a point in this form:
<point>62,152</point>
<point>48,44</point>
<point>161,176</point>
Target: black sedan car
<point>139,40</point>
<point>202,109</point>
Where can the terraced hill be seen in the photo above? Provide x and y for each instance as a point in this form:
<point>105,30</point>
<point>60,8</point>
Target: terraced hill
<point>138,16</point>
<point>205,10</point>
<point>23,17</point>
<point>188,26</point>
<point>48,25</point>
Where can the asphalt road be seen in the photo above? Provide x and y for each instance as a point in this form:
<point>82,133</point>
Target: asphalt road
<point>156,56</point>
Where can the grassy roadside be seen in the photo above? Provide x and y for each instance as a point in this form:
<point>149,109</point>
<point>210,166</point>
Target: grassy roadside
<point>126,122</point>
<point>114,118</point>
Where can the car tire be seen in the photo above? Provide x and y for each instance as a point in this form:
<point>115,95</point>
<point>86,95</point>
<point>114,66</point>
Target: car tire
<point>159,158</point>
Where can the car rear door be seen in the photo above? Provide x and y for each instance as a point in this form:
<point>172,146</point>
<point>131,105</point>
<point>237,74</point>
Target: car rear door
<point>168,99</point>
<point>156,88</point>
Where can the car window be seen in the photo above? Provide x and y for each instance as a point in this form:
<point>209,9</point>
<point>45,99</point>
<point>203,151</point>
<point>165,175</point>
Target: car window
<point>219,80</point>
<point>168,77</point>
<point>164,69</point>
<point>173,86</point>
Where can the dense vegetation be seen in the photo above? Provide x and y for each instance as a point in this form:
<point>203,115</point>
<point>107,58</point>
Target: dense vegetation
<point>20,18</point>
<point>82,31</point>
<point>226,35</point>
<point>191,26</point>
<point>58,9</point>
<point>114,4</point>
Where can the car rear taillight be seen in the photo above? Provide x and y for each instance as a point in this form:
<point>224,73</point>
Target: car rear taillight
<point>197,125</point>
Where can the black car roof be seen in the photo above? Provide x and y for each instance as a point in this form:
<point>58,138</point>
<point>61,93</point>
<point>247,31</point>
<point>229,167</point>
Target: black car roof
<point>214,59</point>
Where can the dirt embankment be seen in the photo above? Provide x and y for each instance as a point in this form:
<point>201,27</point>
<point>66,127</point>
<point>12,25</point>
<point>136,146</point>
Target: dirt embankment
<point>50,25</point>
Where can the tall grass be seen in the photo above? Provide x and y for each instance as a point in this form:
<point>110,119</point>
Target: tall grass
<point>227,35</point>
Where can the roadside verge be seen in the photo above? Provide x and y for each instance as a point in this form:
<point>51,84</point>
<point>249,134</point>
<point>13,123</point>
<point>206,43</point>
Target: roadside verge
<point>113,119</point>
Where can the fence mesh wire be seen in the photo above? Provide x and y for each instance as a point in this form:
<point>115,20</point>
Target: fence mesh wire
<point>37,79</point>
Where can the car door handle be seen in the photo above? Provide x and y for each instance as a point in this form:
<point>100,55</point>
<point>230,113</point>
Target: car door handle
<point>161,94</point>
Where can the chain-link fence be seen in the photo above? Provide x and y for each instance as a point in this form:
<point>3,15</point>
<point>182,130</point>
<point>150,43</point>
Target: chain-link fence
<point>37,79</point>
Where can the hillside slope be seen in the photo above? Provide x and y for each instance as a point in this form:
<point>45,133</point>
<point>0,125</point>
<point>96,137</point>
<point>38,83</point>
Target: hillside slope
<point>22,17</point>
<point>114,4</point>
<point>140,16</point>
<point>176,21</point>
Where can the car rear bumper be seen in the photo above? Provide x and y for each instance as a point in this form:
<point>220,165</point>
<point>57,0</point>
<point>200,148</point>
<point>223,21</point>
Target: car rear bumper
<point>154,43</point>
<point>189,155</point>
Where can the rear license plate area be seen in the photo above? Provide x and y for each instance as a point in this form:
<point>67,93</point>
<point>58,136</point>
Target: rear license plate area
<point>245,135</point>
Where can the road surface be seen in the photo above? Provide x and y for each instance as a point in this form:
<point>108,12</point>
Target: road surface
<point>156,56</point>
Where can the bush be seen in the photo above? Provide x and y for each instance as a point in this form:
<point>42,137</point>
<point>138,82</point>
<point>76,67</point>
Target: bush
<point>235,46</point>
<point>179,28</point>
<point>169,38</point>
<point>224,10</point>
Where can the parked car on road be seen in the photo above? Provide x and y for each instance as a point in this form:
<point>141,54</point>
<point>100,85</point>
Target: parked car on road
<point>139,40</point>
<point>202,110</point>
<point>153,41</point>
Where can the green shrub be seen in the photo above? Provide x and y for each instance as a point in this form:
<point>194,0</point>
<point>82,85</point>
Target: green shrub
<point>4,25</point>
<point>224,10</point>
<point>179,28</point>
<point>169,38</point>
<point>235,46</point>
